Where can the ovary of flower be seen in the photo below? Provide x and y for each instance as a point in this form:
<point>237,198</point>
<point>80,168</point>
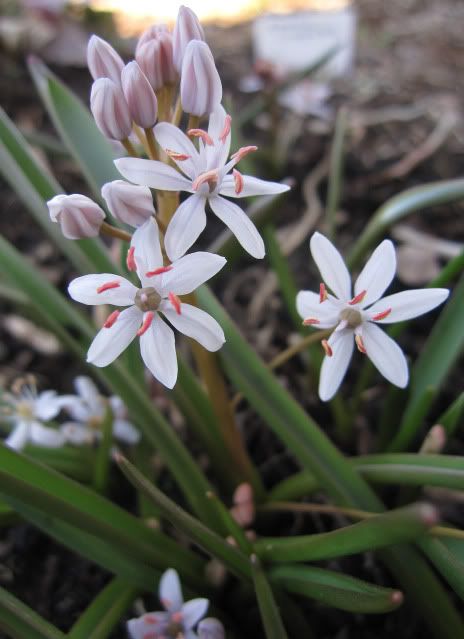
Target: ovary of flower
<point>206,175</point>
<point>178,619</point>
<point>355,318</point>
<point>160,287</point>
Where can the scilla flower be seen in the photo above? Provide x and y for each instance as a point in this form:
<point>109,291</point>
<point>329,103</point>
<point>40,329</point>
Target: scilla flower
<point>205,174</point>
<point>25,409</point>
<point>158,295</point>
<point>355,318</point>
<point>87,410</point>
<point>178,619</point>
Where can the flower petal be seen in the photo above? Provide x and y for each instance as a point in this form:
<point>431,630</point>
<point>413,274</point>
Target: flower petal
<point>196,324</point>
<point>89,393</point>
<point>334,368</point>
<point>147,253</point>
<point>216,155</point>
<point>331,266</point>
<point>170,592</point>
<point>186,224</point>
<point>308,306</point>
<point>77,434</point>
<point>408,304</point>
<point>44,436</point>
<point>189,272</point>
<point>47,405</point>
<point>156,175</point>
<point>251,186</point>
<point>151,624</point>
<point>18,437</point>
<point>377,274</point>
<point>171,138</point>
<point>385,354</point>
<point>240,225</point>
<point>158,349</point>
<point>109,343</point>
<point>125,432</point>
<point>84,289</point>
<point>193,611</point>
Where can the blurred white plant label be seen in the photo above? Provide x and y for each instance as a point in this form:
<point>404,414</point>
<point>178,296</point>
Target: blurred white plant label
<point>297,40</point>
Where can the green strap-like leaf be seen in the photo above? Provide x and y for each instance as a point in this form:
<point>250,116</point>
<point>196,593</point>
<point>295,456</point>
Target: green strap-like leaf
<point>20,622</point>
<point>447,555</point>
<point>268,608</point>
<point>336,589</point>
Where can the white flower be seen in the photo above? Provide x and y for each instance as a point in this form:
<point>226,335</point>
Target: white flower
<point>355,318</point>
<point>179,619</point>
<point>25,410</point>
<point>160,287</point>
<point>205,174</point>
<point>87,410</point>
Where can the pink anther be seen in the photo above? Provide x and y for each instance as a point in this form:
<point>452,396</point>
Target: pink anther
<point>177,617</point>
<point>322,293</point>
<point>358,298</point>
<point>226,130</point>
<point>108,286</point>
<point>382,315</point>
<point>238,179</point>
<point>158,271</point>
<point>311,321</point>
<point>209,177</point>
<point>130,259</point>
<point>174,155</point>
<point>147,320</point>
<point>110,320</point>
<point>327,348</point>
<point>175,302</point>
<point>199,133</point>
<point>150,619</point>
<point>242,152</point>
<point>360,344</point>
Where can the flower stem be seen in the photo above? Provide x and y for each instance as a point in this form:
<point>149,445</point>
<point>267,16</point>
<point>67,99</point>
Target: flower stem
<point>177,116</point>
<point>127,144</point>
<point>113,231</point>
<point>151,143</point>
<point>193,122</point>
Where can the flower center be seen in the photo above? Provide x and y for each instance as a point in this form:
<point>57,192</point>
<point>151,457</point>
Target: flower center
<point>147,299</point>
<point>24,410</point>
<point>352,317</point>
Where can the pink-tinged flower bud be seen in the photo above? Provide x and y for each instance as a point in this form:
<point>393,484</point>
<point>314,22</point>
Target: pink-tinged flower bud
<point>128,203</point>
<point>110,109</point>
<point>77,215</point>
<point>211,628</point>
<point>155,59</point>
<point>152,33</point>
<point>187,28</point>
<point>103,61</point>
<point>140,97</point>
<point>168,69</point>
<point>200,84</point>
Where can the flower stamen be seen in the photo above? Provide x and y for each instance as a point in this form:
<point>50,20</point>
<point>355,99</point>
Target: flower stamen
<point>358,298</point>
<point>108,286</point>
<point>158,271</point>
<point>175,302</point>
<point>147,320</point>
<point>226,130</point>
<point>327,348</point>
<point>238,179</point>
<point>209,177</point>
<point>199,133</point>
<point>242,152</point>
<point>323,296</point>
<point>175,155</point>
<point>310,321</point>
<point>110,320</point>
<point>360,344</point>
<point>130,259</point>
<point>382,315</point>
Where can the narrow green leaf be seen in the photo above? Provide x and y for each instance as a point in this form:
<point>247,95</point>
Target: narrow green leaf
<point>414,415</point>
<point>103,457</point>
<point>447,555</point>
<point>76,127</point>
<point>20,622</point>
<point>393,527</point>
<point>336,589</point>
<point>452,418</point>
<point>270,614</point>
<point>105,611</point>
<point>416,199</point>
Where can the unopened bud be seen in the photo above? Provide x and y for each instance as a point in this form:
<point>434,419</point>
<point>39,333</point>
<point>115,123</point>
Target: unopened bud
<point>169,71</point>
<point>187,28</point>
<point>243,510</point>
<point>155,60</point>
<point>77,215</point>
<point>140,97</point>
<point>211,628</point>
<point>128,203</point>
<point>152,33</point>
<point>110,109</point>
<point>434,441</point>
<point>200,84</point>
<point>103,60</point>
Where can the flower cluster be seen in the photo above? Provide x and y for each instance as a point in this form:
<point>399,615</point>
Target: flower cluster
<point>178,619</point>
<point>29,415</point>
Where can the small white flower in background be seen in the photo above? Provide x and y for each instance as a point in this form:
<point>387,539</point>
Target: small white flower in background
<point>87,411</point>
<point>77,215</point>
<point>205,175</point>
<point>25,409</point>
<point>211,628</point>
<point>161,286</point>
<point>355,318</point>
<point>178,619</point>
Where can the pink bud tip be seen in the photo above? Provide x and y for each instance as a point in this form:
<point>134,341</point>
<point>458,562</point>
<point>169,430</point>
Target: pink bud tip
<point>429,514</point>
<point>397,597</point>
